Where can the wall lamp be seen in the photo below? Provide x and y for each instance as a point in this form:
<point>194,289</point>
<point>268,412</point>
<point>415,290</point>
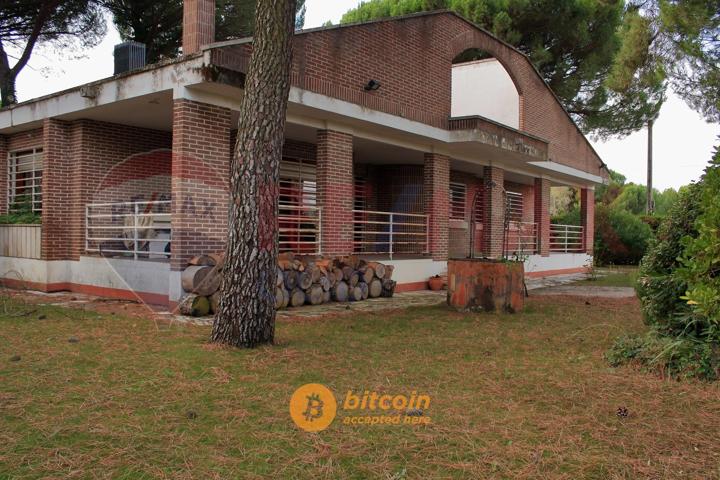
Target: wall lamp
<point>372,86</point>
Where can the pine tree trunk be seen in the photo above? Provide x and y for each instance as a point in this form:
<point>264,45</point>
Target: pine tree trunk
<point>246,316</point>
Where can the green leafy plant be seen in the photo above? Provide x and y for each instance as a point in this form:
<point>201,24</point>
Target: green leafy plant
<point>21,213</point>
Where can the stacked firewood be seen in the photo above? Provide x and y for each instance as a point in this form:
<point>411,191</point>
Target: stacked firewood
<point>300,281</point>
<point>307,281</point>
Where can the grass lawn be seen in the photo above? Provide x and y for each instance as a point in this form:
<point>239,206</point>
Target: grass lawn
<point>621,276</point>
<point>523,396</point>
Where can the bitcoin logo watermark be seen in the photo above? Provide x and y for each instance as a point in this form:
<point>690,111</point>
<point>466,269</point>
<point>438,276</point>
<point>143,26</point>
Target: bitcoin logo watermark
<point>313,407</point>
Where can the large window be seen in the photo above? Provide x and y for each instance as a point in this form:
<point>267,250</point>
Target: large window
<point>515,206</point>
<point>25,169</point>
<point>458,196</point>
<point>298,220</point>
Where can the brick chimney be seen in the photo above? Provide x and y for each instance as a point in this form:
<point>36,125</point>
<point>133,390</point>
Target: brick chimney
<point>198,24</point>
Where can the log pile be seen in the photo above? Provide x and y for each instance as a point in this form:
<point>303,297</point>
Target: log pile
<point>299,281</point>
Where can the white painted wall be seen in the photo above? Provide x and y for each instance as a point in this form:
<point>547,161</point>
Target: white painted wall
<point>417,270</point>
<point>557,261</point>
<point>484,88</point>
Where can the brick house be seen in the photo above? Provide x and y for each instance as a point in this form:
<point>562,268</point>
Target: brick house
<point>395,148</point>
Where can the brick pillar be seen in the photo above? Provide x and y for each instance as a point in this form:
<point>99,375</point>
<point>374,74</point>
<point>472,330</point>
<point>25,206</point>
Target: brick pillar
<point>198,24</point>
<point>3,175</point>
<point>493,211</point>
<point>62,221</point>
<point>436,196</point>
<point>200,175</point>
<point>335,191</point>
<point>542,215</point>
<point>587,217</point>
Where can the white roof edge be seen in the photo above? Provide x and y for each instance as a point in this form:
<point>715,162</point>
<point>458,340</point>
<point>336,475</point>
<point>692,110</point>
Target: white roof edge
<point>555,167</point>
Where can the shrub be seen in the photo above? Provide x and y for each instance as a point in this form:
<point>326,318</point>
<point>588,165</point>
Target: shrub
<point>620,237</point>
<point>22,213</point>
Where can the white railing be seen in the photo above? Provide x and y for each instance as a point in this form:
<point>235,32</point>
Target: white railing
<point>21,241</point>
<point>566,238</point>
<point>129,229</point>
<point>299,229</point>
<point>390,233</point>
<point>521,238</point>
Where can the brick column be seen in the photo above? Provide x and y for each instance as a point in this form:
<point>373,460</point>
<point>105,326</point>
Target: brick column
<point>335,191</point>
<point>542,215</point>
<point>493,211</point>
<point>3,175</point>
<point>62,222</point>
<point>200,175</point>
<point>198,24</point>
<point>436,197</point>
<point>587,217</point>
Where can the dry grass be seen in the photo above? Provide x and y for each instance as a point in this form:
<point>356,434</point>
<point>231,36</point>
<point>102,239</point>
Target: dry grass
<point>524,396</point>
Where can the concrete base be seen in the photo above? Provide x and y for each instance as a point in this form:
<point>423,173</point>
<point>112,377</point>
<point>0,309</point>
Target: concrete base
<point>107,277</point>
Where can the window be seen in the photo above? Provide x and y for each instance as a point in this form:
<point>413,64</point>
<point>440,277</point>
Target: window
<point>298,220</point>
<point>458,194</point>
<point>25,170</point>
<point>514,206</point>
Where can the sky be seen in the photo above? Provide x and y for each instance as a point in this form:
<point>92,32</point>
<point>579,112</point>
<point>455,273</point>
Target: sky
<point>682,145</point>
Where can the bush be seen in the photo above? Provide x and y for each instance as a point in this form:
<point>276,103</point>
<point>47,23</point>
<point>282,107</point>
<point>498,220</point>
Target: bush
<point>674,357</point>
<point>22,213</point>
<point>621,238</point>
<point>659,287</point>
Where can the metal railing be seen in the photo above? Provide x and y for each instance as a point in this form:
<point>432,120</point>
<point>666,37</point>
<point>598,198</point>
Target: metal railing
<point>390,233</point>
<point>566,238</point>
<point>124,229</point>
<point>521,238</point>
<point>299,229</point>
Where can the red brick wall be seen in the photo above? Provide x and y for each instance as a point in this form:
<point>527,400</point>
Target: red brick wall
<point>587,218</point>
<point>542,215</point>
<point>198,24</point>
<point>335,190</point>
<point>339,62</point>
<point>94,162</point>
<point>3,174</point>
<point>436,191</point>
<point>493,211</point>
<point>201,152</point>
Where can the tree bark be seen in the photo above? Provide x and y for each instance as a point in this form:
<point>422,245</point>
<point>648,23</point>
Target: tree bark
<point>246,316</point>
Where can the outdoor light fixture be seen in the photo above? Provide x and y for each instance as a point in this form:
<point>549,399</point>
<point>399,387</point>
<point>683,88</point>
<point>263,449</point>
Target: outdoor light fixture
<point>372,85</point>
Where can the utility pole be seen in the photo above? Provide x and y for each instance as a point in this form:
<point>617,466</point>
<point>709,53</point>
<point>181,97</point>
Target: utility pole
<point>650,202</point>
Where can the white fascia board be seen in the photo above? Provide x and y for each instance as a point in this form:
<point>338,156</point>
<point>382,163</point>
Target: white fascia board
<point>107,91</point>
<point>569,171</point>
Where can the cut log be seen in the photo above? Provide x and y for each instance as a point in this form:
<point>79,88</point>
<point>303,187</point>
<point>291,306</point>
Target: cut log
<point>280,278</point>
<point>379,269</point>
<point>194,306</point>
<point>368,273</point>
<point>375,288</point>
<point>388,272</point>
<point>324,283</point>
<point>353,279</point>
<point>340,292</point>
<point>285,265</point>
<point>291,279</point>
<point>279,298</point>
<point>339,275</point>
<point>347,272</point>
<point>355,294</point>
<point>203,281</point>
<point>326,297</point>
<point>286,298</point>
<point>219,258</point>
<point>215,302</point>
<point>305,280</point>
<point>388,288</point>
<point>314,272</point>
<point>203,261</point>
<point>286,257</point>
<point>314,295</point>
<point>364,289</point>
<point>297,298</point>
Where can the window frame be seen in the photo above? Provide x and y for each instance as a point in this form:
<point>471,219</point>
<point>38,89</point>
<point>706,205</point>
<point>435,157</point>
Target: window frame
<point>458,200</point>
<point>17,158</point>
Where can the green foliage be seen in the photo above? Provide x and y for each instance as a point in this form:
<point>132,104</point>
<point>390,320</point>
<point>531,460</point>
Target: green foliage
<point>65,25</point>
<point>159,24</point>
<point>621,238</point>
<point>681,357</point>
<point>701,258</point>
<point>632,198</point>
<point>574,44</point>
<point>22,214</point>
<point>660,288</point>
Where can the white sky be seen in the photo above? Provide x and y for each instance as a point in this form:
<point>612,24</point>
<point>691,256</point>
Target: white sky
<point>683,142</point>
